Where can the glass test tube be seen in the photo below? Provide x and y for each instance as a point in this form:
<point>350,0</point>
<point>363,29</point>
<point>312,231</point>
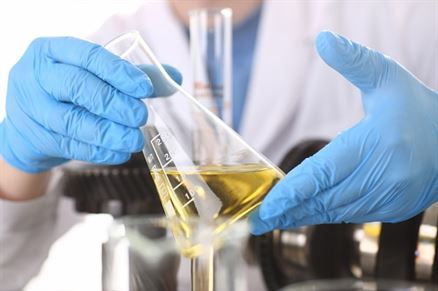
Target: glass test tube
<point>211,54</point>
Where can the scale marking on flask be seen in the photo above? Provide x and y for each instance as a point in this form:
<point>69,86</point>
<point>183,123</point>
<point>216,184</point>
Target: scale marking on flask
<point>166,161</point>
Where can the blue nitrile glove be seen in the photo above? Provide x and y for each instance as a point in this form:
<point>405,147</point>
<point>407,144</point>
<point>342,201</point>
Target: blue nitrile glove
<point>71,99</point>
<point>385,168</point>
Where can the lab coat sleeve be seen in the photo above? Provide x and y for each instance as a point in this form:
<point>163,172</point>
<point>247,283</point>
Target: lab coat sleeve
<point>27,230</point>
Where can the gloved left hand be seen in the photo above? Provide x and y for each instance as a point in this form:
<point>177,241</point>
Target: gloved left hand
<point>69,99</point>
<point>383,169</point>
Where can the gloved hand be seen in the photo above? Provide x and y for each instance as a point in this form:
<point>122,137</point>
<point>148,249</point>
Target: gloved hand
<point>71,99</point>
<point>385,168</point>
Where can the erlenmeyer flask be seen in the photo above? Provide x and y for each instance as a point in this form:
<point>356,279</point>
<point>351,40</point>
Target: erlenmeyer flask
<point>200,166</point>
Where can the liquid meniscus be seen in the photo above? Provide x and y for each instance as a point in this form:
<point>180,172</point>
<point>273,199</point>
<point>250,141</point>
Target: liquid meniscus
<point>238,188</point>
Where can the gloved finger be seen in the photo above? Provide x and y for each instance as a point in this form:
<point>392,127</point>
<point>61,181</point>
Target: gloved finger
<point>94,58</point>
<point>361,210</point>
<point>328,167</point>
<point>339,204</point>
<point>365,68</point>
<point>76,122</point>
<point>56,147</point>
<point>344,214</point>
<point>75,150</point>
<point>79,124</point>
<point>72,84</point>
<point>387,217</point>
<point>346,201</point>
<point>162,87</point>
<point>287,221</point>
<point>174,74</point>
<point>347,194</point>
<point>260,226</point>
<point>257,225</point>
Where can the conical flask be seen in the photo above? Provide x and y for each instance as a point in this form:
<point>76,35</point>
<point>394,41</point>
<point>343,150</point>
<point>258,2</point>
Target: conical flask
<point>200,166</point>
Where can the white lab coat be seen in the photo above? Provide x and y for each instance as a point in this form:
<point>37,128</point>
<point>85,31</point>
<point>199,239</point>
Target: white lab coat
<point>292,96</point>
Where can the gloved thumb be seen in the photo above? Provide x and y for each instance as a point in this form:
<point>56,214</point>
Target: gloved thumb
<point>365,68</point>
<point>162,87</point>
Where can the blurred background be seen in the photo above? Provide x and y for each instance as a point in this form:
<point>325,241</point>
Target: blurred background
<point>22,21</point>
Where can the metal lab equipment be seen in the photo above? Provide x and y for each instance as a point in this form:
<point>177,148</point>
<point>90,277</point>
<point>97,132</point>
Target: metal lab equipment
<point>147,253</point>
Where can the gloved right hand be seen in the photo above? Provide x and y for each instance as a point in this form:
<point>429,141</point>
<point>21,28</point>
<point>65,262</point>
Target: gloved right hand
<point>71,99</point>
<point>385,168</point>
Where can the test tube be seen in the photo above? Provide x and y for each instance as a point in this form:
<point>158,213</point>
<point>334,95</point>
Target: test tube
<point>211,55</point>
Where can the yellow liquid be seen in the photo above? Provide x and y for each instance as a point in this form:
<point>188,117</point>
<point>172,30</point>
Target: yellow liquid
<point>213,192</point>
